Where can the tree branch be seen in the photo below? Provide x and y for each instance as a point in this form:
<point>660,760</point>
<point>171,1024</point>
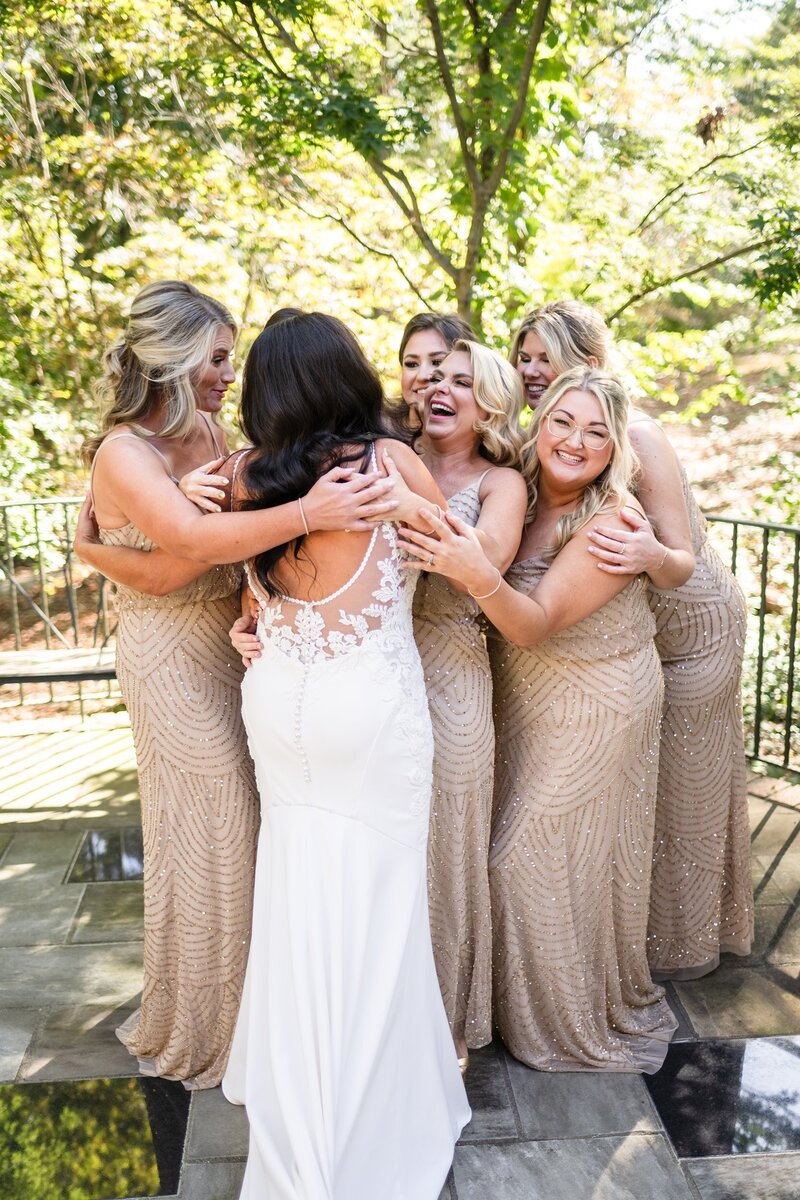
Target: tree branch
<point>534,38</point>
<point>219,30</point>
<point>628,41</point>
<point>265,50</point>
<point>699,270</point>
<point>340,220</point>
<point>645,222</point>
<point>447,79</point>
<point>410,210</point>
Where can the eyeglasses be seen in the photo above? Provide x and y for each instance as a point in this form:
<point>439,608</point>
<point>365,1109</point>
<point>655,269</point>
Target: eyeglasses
<point>563,427</point>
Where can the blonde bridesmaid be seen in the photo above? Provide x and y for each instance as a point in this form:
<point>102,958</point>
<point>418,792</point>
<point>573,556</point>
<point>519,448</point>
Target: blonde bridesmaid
<point>577,749</point>
<point>701,900</point>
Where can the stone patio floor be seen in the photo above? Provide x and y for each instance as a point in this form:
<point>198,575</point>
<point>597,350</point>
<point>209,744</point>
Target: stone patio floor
<point>70,971</point>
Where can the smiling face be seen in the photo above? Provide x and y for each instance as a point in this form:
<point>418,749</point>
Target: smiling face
<point>423,354</point>
<point>217,376</point>
<point>450,405</point>
<point>568,462</point>
<point>535,368</point>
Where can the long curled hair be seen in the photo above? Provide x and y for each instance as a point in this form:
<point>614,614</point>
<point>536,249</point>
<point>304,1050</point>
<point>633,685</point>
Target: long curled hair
<point>608,492</point>
<point>310,401</point>
<point>168,340</point>
<point>571,333</point>
<point>499,395</point>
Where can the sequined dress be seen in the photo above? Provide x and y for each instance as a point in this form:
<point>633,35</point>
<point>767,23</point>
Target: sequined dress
<point>448,628</point>
<point>342,1053</point>
<point>180,680</point>
<point>702,897</point>
<point>577,721</point>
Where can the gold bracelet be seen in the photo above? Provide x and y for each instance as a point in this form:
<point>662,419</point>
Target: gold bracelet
<point>664,559</point>
<point>303,515</point>
<point>439,516</point>
<point>492,592</point>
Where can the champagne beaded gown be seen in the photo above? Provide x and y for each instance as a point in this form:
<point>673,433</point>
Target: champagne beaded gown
<point>342,1053</point>
<point>180,680</point>
<point>577,721</point>
<point>702,898</point>
<point>448,628</point>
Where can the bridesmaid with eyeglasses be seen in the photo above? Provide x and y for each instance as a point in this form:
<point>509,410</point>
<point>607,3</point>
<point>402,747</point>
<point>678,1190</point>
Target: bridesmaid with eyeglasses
<point>701,897</point>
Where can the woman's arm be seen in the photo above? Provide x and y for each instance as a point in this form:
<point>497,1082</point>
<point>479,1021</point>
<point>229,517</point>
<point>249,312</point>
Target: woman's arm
<point>153,572</point>
<point>570,591</point>
<point>414,486</point>
<point>502,517</point>
<point>668,559</point>
<point>130,481</point>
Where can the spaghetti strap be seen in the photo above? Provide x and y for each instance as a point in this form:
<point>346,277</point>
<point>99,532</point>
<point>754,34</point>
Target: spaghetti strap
<point>132,437</point>
<point>142,442</point>
<point>211,430</point>
<point>483,476</point>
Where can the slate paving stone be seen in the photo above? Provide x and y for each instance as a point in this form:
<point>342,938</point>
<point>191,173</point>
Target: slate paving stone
<point>47,924</point>
<point>757,1177</point>
<point>634,1167</point>
<point>579,1103</point>
<point>785,874</point>
<point>766,889</point>
<point>17,1026</point>
<point>211,1181</point>
<point>779,831</point>
<point>109,912</point>
<point>36,858</point>
<point>79,1042</point>
<point>217,1129</point>
<point>489,1095</point>
<point>743,1002</point>
<point>65,975</point>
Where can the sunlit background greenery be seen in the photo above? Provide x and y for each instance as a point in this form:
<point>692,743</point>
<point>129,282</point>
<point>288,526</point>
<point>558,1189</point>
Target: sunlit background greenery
<point>372,160</point>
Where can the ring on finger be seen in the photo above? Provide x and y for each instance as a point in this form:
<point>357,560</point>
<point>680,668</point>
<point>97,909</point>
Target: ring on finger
<point>431,560</point>
<point>622,547</point>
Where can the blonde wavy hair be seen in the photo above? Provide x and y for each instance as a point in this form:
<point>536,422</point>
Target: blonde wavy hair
<point>167,342</point>
<point>571,333</point>
<point>499,395</point>
<point>609,491</point>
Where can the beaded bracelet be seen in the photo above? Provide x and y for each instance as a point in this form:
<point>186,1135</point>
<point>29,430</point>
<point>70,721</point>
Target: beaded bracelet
<point>494,589</point>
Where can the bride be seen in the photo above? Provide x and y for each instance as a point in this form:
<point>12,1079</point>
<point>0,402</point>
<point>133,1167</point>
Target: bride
<point>342,1052</point>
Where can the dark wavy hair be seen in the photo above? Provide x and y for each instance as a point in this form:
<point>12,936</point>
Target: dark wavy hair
<point>310,401</point>
<point>450,326</point>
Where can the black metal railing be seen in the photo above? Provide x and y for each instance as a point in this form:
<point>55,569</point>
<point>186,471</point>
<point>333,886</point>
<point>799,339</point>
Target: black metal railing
<point>765,558</point>
<point>49,599</point>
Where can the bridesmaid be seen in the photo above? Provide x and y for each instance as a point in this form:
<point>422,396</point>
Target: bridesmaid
<point>580,701</point>
<point>181,687</point>
<point>425,341</point>
<point>701,899</point>
<point>472,444</point>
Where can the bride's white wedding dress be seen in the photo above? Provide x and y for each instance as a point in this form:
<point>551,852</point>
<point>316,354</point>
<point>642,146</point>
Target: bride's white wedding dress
<point>342,1052</point>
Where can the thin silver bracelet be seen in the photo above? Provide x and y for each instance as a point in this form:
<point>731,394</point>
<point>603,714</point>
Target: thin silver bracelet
<point>492,592</point>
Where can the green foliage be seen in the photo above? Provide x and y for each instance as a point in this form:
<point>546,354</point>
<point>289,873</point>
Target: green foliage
<point>364,160</point>
<point>69,1149</point>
